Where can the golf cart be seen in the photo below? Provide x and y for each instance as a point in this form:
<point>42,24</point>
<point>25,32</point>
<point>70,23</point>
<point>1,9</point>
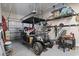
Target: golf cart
<point>38,40</point>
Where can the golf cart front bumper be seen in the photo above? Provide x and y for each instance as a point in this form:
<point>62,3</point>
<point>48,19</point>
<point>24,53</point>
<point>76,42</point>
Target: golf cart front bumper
<point>49,44</point>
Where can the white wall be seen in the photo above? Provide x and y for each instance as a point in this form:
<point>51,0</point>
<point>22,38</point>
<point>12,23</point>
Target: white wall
<point>14,24</point>
<point>74,6</point>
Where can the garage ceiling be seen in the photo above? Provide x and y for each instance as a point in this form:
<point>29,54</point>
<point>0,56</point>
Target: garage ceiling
<point>26,8</point>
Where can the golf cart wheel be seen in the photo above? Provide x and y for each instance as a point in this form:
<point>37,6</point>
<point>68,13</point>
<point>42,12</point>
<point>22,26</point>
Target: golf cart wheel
<point>37,48</point>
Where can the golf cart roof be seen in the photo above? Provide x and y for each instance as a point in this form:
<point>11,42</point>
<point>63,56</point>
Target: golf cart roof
<point>30,20</point>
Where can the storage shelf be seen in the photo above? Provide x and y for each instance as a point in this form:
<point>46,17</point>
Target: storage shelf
<point>72,25</point>
<point>60,17</point>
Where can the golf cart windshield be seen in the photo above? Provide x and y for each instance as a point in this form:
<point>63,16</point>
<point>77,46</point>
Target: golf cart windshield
<point>35,23</point>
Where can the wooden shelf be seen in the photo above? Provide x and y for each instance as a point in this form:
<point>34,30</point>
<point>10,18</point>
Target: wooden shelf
<point>60,17</point>
<point>64,25</point>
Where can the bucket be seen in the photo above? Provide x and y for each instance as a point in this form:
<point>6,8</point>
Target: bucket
<point>8,45</point>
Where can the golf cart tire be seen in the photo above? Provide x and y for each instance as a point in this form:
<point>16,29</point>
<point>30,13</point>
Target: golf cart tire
<point>39,48</point>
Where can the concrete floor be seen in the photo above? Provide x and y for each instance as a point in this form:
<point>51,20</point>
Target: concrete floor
<point>21,50</point>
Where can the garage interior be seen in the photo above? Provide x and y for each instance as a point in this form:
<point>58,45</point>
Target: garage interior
<point>44,29</point>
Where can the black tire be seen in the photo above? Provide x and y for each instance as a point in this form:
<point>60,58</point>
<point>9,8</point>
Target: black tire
<point>37,48</point>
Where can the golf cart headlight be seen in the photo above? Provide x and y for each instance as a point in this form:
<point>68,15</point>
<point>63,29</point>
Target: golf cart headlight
<point>39,38</point>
